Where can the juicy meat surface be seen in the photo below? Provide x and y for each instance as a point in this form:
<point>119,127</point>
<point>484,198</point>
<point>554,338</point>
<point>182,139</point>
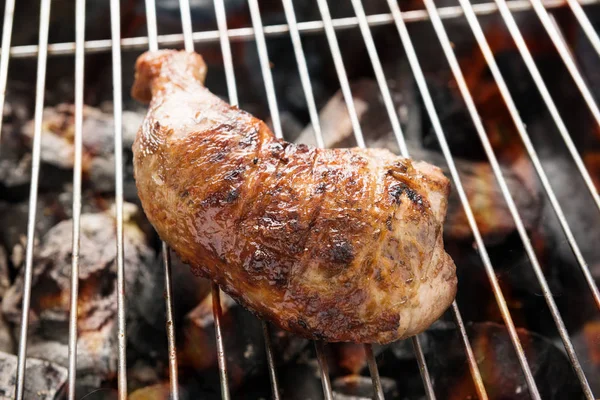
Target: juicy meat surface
<point>337,245</point>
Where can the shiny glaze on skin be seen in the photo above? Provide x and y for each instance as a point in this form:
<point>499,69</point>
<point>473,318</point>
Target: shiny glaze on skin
<point>338,245</point>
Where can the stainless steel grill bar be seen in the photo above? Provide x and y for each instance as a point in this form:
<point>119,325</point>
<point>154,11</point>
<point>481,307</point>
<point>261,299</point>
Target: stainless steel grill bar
<point>562,330</point>
<point>9,13</point>
<point>265,67</point>
<point>217,312</point>
<point>223,37</point>
<point>328,25</point>
<point>115,27</point>
<point>166,252</point>
<point>173,372</point>
<point>475,373</point>
<point>226,52</point>
<point>268,80</point>
<point>327,391</point>
<point>380,76</point>
<point>341,71</point>
<point>345,87</point>
<point>324,370</point>
<point>290,16</point>
<point>431,111</point>
<point>151,25</point>
<point>186,25</point>
<point>427,383</point>
<point>141,42</point>
<point>564,53</point>
<point>79,72</point>
<point>276,121</point>
<point>539,82</point>
<point>33,194</point>
<point>374,371</point>
<point>233,100</point>
<point>270,360</point>
<point>585,23</point>
<point>397,130</point>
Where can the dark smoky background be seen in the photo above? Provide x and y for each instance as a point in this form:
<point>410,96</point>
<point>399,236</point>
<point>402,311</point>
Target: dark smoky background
<point>297,367</point>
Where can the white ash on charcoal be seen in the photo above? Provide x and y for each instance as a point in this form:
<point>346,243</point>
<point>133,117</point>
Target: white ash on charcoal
<point>7,344</point>
<point>485,196</point>
<point>336,126</point>
<point>57,153</point>
<point>98,164</point>
<point>14,167</point>
<point>44,380</point>
<point>15,149</point>
<point>97,314</point>
<point>357,387</point>
<point>290,125</point>
<point>52,208</point>
<point>324,80</point>
<point>5,281</point>
<point>18,104</point>
<point>13,218</point>
<point>371,111</point>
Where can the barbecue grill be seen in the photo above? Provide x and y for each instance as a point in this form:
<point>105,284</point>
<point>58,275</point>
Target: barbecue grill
<point>332,28</point>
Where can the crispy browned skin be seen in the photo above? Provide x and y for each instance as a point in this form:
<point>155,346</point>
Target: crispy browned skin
<point>340,245</point>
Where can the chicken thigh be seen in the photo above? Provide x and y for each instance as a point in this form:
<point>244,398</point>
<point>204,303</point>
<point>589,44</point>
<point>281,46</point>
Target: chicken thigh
<point>335,245</point>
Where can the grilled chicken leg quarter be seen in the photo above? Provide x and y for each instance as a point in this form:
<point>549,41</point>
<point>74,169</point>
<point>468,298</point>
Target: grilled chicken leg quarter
<point>338,245</point>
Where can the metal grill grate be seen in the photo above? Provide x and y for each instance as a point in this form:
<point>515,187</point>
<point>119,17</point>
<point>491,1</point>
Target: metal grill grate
<point>258,32</point>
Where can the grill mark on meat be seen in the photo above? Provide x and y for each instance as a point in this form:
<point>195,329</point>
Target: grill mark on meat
<point>320,196</point>
<point>244,191</point>
<point>398,189</point>
<point>342,252</point>
<point>268,262</point>
<point>379,185</point>
<point>248,194</point>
